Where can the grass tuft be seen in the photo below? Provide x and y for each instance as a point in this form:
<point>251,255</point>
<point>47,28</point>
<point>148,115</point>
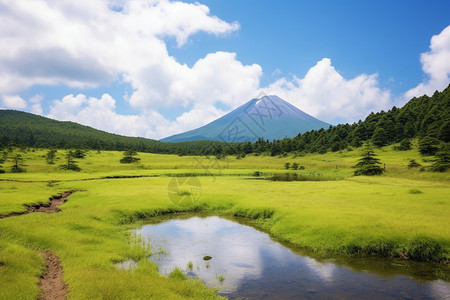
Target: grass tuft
<point>177,274</point>
<point>426,249</point>
<point>253,213</point>
<point>415,191</point>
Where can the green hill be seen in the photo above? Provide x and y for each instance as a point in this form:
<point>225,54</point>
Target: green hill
<point>25,129</point>
<point>420,117</point>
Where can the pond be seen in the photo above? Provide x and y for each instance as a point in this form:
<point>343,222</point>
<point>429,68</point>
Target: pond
<point>247,264</point>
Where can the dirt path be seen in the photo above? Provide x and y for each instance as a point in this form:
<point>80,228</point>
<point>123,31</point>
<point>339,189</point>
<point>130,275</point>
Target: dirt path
<point>51,283</point>
<point>50,207</point>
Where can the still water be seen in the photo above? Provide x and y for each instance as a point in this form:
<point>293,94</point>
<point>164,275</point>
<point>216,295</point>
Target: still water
<point>248,264</point>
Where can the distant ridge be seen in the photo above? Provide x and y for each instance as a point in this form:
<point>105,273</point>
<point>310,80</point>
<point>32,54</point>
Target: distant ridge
<point>18,128</point>
<point>424,117</point>
<point>268,117</point>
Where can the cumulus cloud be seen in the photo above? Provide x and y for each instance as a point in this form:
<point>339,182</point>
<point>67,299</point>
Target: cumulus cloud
<point>436,65</point>
<point>84,46</point>
<point>325,94</point>
<point>101,113</point>
<point>51,43</point>
<point>36,106</point>
<point>194,118</point>
<point>13,101</point>
<point>97,113</point>
<point>218,77</point>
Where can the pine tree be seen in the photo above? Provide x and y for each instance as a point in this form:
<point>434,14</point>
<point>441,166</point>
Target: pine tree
<point>368,164</point>
<point>70,164</point>
<point>444,132</point>
<point>50,157</point>
<point>442,162</point>
<point>18,164</point>
<point>380,137</point>
<point>129,157</point>
<point>428,145</point>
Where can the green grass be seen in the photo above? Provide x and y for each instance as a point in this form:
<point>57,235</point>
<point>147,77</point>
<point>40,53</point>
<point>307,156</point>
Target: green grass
<point>401,211</point>
<point>15,195</point>
<point>190,265</point>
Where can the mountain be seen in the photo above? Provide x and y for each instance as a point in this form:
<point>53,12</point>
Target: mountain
<point>422,117</point>
<point>268,117</point>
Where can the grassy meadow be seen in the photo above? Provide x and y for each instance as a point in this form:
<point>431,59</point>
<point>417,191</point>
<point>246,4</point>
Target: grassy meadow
<point>404,210</point>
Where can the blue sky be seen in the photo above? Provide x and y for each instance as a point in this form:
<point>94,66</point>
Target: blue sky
<point>158,67</point>
<point>384,37</point>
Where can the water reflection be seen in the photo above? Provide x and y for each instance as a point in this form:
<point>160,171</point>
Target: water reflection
<point>255,267</point>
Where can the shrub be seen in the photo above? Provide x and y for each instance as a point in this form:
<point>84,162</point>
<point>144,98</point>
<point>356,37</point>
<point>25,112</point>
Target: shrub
<point>413,164</point>
<point>405,145</point>
<point>415,191</point>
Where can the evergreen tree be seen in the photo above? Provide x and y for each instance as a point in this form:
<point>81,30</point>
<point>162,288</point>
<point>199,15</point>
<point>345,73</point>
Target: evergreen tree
<point>129,157</point>
<point>71,164</point>
<point>50,156</point>
<point>248,148</point>
<point>405,145</point>
<point>442,162</point>
<point>18,164</point>
<point>428,145</point>
<point>275,149</point>
<point>444,132</point>
<point>368,164</point>
<point>380,137</point>
<point>413,164</point>
<point>79,153</point>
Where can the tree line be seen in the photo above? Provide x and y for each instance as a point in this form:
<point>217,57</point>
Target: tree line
<point>426,118</point>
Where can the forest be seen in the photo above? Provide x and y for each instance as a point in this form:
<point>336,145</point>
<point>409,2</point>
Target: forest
<point>426,118</point>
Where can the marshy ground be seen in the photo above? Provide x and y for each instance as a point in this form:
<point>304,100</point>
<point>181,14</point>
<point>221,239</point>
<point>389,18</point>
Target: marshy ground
<point>401,214</point>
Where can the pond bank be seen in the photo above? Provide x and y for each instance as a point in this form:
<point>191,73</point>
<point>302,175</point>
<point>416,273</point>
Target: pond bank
<point>244,262</point>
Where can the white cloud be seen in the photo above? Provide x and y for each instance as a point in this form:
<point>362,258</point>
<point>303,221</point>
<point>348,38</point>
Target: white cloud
<point>436,65</point>
<point>98,113</point>
<point>194,118</point>
<point>325,94</point>
<point>176,19</point>
<point>14,101</point>
<point>44,42</point>
<point>36,107</point>
<point>217,77</point>
<point>84,46</point>
<point>101,114</point>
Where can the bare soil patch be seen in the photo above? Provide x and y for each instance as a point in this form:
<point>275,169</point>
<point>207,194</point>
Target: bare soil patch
<point>50,207</point>
<point>51,283</point>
